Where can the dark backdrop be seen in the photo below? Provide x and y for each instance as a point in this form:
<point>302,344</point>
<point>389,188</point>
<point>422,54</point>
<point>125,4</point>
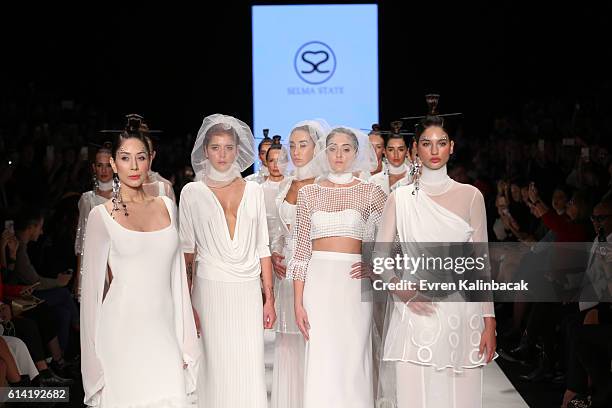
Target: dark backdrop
<point>178,62</point>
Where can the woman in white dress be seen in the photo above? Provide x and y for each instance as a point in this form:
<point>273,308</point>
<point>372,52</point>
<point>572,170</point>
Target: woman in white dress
<point>101,193</point>
<point>397,171</point>
<point>434,351</point>
<point>262,150</point>
<point>333,305</point>
<point>305,141</point>
<point>224,231</point>
<point>139,346</point>
<point>272,185</point>
<point>378,143</point>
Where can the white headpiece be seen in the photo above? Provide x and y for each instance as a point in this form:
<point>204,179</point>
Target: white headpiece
<point>365,158</point>
<point>317,129</point>
<point>245,156</point>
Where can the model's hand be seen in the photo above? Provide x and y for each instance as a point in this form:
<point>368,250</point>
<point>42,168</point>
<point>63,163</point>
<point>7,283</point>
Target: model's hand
<point>196,318</point>
<point>361,270</point>
<point>488,343</point>
<point>278,265</point>
<point>421,304</point>
<point>269,315</point>
<point>301,317</point>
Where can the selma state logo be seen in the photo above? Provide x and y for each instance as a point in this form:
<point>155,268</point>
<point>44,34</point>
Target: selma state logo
<point>315,62</point>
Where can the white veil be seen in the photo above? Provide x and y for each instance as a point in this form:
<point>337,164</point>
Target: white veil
<point>245,156</point>
<point>318,130</point>
<point>365,159</point>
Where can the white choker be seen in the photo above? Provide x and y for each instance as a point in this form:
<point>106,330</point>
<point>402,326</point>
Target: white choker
<point>397,170</point>
<point>340,178</point>
<point>105,186</point>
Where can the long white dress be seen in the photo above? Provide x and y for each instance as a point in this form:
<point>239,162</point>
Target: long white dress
<point>289,346</point>
<point>136,338</point>
<point>433,361</point>
<point>338,364</point>
<point>227,294</point>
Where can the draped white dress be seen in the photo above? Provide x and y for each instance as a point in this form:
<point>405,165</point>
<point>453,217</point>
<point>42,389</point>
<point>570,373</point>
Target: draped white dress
<point>227,294</point>
<point>433,361</point>
<point>136,338</point>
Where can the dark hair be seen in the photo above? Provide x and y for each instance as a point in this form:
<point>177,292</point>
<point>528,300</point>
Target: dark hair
<point>583,203</point>
<point>275,146</point>
<point>265,140</point>
<point>427,122</point>
<point>220,129</point>
<point>135,128</point>
<point>27,217</point>
<point>395,137</point>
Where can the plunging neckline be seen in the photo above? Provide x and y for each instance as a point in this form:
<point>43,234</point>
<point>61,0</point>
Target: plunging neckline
<point>220,207</point>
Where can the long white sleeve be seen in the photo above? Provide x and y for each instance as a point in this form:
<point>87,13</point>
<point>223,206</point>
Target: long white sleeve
<point>186,332</point>
<point>478,221</point>
<point>186,226</point>
<point>84,209</point>
<point>95,260</point>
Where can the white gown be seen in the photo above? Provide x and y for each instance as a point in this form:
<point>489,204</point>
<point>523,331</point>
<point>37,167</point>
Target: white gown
<point>338,364</point>
<point>432,361</point>
<point>135,340</point>
<point>227,294</point>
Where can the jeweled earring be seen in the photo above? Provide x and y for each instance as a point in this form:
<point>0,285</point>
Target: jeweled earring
<point>96,186</point>
<point>116,197</point>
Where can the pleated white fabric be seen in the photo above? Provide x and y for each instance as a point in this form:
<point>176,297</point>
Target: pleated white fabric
<point>288,373</point>
<point>232,371</point>
<point>338,371</point>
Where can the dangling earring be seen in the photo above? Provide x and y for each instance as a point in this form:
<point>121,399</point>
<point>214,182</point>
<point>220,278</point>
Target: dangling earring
<point>116,197</point>
<point>96,186</point>
<point>415,172</point>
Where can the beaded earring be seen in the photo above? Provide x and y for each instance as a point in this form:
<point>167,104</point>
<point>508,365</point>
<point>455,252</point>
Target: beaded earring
<point>116,197</point>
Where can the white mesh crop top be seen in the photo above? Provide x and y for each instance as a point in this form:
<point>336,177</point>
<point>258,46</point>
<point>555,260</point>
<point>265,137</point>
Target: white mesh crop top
<point>322,212</point>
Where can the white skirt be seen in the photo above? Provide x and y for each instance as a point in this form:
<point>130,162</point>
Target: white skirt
<point>232,371</point>
<point>288,371</point>
<point>338,371</point>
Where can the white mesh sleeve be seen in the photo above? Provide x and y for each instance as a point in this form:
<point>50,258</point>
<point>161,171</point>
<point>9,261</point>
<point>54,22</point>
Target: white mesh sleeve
<point>298,265</point>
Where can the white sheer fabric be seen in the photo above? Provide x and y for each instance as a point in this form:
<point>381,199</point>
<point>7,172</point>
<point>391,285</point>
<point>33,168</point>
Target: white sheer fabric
<point>270,190</point>
<point>442,211</point>
<point>159,186</point>
<point>135,339</point>
<point>87,201</point>
<point>322,212</point>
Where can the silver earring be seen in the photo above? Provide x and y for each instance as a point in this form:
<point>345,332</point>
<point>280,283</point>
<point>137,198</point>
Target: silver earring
<point>96,186</point>
<point>415,172</point>
<point>116,197</point>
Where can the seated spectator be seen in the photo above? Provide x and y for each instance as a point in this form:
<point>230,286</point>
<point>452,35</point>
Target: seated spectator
<point>28,228</point>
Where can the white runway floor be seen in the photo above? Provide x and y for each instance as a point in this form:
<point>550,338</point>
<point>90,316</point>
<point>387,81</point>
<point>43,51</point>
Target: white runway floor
<point>499,392</point>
